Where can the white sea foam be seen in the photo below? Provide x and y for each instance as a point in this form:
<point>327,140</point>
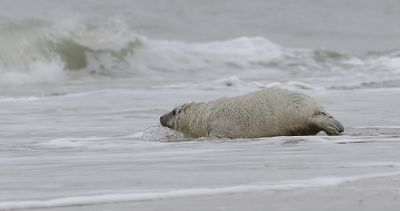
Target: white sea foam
<point>378,127</point>
<point>235,82</point>
<point>136,135</point>
<point>162,134</point>
<point>72,141</point>
<point>35,72</point>
<point>12,99</point>
<point>319,182</point>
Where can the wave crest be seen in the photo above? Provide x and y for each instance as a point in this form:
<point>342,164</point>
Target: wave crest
<point>40,51</point>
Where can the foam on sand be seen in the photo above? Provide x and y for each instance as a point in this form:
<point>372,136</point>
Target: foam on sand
<point>192,192</point>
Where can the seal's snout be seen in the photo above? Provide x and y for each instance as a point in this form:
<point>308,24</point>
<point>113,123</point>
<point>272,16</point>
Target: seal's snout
<point>339,126</point>
<point>163,121</point>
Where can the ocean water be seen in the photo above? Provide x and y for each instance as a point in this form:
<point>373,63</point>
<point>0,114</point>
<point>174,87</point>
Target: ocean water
<point>83,84</point>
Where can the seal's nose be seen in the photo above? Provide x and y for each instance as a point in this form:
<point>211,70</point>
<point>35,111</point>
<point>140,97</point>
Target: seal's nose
<point>162,120</point>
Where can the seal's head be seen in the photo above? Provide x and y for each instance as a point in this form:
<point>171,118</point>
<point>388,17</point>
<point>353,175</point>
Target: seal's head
<point>170,119</point>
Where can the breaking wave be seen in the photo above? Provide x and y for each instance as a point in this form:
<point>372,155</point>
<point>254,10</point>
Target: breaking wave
<point>36,51</point>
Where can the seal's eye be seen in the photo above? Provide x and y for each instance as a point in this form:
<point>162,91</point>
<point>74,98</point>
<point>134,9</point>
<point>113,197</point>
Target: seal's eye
<point>174,112</point>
